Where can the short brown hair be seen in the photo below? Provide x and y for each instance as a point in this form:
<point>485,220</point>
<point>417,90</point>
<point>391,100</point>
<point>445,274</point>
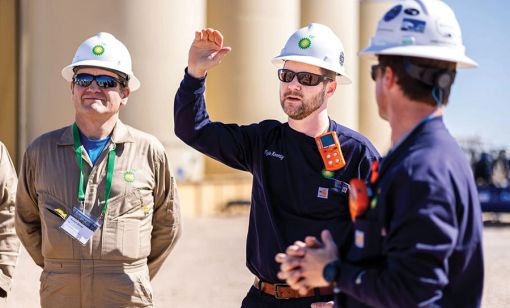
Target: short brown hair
<point>328,73</point>
<point>413,88</point>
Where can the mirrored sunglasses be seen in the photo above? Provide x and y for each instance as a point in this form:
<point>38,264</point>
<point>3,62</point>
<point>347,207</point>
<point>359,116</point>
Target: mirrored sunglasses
<point>102,81</point>
<point>304,78</point>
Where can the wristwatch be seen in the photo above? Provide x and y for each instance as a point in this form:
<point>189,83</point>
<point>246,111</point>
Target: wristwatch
<point>331,271</point>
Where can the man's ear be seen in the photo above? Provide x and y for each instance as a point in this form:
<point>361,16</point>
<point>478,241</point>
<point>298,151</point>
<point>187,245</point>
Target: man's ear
<point>124,94</point>
<point>389,77</point>
<point>330,88</point>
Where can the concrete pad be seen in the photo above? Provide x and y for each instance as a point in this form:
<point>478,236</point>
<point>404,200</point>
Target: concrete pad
<point>207,267</point>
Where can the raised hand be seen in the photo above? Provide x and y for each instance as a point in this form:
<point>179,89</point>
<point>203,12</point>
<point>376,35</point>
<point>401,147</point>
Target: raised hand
<point>205,52</point>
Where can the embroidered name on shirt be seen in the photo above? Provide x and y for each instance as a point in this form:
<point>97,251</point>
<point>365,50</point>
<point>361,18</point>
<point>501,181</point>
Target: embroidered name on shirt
<point>274,154</point>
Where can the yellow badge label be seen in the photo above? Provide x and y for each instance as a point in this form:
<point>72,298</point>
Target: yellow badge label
<point>61,213</point>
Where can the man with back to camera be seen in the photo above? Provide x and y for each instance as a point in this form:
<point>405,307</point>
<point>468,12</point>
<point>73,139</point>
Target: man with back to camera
<point>9,243</point>
<point>293,194</point>
<point>417,223</point>
<point>97,205</point>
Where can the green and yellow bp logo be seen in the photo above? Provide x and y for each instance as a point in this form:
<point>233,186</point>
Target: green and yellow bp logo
<point>129,176</point>
<point>98,50</point>
<point>304,43</point>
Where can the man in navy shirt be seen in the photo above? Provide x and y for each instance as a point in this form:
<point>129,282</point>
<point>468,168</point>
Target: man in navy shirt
<point>418,234</point>
<point>293,195</point>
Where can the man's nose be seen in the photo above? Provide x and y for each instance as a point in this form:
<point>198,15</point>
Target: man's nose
<point>93,87</point>
<point>294,84</point>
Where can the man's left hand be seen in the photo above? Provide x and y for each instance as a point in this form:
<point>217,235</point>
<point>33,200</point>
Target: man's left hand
<point>302,265</point>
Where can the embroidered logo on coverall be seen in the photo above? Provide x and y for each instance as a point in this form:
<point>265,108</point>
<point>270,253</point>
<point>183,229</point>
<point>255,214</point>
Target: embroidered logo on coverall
<point>129,176</point>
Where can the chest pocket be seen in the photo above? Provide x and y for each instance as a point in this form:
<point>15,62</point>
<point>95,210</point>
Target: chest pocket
<point>329,198</point>
<point>123,230</point>
<point>126,206</point>
<point>55,243</point>
<point>368,237</point>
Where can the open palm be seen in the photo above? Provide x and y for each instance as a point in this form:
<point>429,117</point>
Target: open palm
<point>206,51</point>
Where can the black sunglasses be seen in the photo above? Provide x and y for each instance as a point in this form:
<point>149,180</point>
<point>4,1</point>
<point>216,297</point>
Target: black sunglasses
<point>102,81</point>
<point>304,78</point>
<point>373,70</point>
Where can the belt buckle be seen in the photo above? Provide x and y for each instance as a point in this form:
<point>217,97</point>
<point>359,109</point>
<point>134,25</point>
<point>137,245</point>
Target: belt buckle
<point>277,286</point>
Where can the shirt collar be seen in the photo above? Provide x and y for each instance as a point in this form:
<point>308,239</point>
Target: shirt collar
<point>120,134</point>
<point>431,116</point>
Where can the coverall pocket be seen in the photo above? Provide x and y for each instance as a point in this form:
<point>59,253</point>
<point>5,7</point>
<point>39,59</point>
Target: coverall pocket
<point>55,243</point>
<point>125,205</point>
<point>367,240</point>
<point>121,231</point>
<point>43,280</point>
<point>145,287</point>
<point>124,290</point>
<point>59,290</point>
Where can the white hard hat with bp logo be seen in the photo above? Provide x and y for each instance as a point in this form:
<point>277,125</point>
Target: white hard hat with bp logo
<point>104,51</point>
<point>317,45</point>
<point>420,28</point>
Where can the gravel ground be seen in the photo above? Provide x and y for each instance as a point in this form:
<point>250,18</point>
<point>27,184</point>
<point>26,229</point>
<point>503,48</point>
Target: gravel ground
<point>207,267</point>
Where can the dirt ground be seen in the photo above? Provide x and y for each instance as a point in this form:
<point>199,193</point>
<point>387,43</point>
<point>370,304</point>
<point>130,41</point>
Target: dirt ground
<point>207,268</point>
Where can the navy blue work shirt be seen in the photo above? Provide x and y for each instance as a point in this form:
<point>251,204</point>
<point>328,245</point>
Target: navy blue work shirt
<point>420,242</point>
<point>291,198</point>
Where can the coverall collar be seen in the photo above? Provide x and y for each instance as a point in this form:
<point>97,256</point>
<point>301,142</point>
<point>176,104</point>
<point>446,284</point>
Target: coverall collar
<point>120,134</point>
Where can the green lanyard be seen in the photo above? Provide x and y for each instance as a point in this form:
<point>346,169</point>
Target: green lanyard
<point>109,171</point>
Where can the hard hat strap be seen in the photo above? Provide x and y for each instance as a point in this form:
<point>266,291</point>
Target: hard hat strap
<point>437,78</point>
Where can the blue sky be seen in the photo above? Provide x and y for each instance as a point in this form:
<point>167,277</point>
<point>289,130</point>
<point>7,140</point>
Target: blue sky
<point>480,101</point>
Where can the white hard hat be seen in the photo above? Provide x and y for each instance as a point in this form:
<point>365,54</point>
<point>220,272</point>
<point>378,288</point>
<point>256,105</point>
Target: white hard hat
<point>317,45</point>
<point>103,50</point>
<point>420,28</point>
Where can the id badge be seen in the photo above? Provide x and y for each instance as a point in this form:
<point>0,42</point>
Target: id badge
<point>79,226</point>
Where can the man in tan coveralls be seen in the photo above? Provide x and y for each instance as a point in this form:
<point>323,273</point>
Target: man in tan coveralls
<point>9,243</point>
<point>96,253</point>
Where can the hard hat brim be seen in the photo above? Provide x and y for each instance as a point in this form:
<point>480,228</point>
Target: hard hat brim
<point>68,73</point>
<point>342,78</point>
<point>432,52</point>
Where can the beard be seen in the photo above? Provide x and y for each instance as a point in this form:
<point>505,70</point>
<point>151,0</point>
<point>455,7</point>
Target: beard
<point>301,109</point>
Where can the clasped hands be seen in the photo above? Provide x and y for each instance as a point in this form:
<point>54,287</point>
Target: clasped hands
<point>302,264</point>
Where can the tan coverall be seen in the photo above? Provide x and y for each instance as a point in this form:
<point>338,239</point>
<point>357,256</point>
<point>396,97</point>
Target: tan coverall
<point>139,230</point>
<point>9,243</point>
